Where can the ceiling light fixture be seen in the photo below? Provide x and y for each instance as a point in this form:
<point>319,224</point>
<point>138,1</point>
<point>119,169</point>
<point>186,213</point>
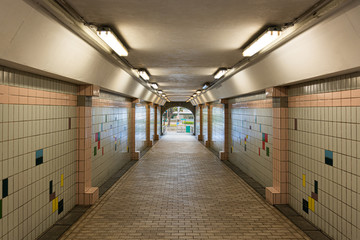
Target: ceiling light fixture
<point>143,74</point>
<point>194,95</point>
<point>220,73</point>
<point>206,85</point>
<point>160,91</point>
<point>112,41</point>
<point>269,36</point>
<point>198,92</point>
<point>154,85</point>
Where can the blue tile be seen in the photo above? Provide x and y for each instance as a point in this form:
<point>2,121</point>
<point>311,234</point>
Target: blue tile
<point>39,157</point>
<point>329,157</point>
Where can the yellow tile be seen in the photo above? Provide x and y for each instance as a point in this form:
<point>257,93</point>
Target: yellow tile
<point>62,180</point>
<point>304,180</point>
<point>53,205</point>
<point>312,204</point>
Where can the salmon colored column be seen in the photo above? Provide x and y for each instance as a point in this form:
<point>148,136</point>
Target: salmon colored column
<point>85,193</point>
<point>200,136</point>
<point>207,143</point>
<point>278,193</point>
<point>224,155</point>
<point>149,141</point>
<point>135,155</point>
<point>156,134</point>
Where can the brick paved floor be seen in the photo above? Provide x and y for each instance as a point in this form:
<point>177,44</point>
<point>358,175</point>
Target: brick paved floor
<point>179,190</point>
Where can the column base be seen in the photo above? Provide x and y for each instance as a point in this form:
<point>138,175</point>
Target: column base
<point>89,197</point>
<point>273,196</point>
<point>200,137</point>
<point>207,143</point>
<point>223,156</point>
<point>156,137</point>
<point>135,155</point>
<point>150,143</point>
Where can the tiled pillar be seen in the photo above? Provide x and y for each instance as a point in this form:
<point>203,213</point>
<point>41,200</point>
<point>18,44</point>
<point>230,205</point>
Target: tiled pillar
<point>224,155</point>
<point>278,193</point>
<point>207,143</point>
<point>149,141</point>
<point>135,155</point>
<point>85,193</point>
<point>200,136</point>
<point>156,134</point>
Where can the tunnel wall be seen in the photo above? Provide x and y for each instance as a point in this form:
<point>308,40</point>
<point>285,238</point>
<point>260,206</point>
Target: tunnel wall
<point>158,122</point>
<point>217,127</point>
<point>205,123</point>
<point>251,137</point>
<point>197,125</point>
<point>140,127</point>
<point>110,130</point>
<point>324,153</point>
<point>38,146</point>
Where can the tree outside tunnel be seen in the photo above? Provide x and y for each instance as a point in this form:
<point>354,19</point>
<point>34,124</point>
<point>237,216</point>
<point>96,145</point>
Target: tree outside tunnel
<point>178,120</point>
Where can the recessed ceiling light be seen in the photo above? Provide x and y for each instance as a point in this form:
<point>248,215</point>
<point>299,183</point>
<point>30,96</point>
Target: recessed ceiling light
<point>112,41</point>
<point>206,85</point>
<point>267,37</point>
<point>160,91</point>
<point>154,85</point>
<point>220,73</point>
<point>143,74</point>
<point>198,92</point>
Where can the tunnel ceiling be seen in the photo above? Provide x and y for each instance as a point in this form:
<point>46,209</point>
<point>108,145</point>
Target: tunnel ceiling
<point>182,43</point>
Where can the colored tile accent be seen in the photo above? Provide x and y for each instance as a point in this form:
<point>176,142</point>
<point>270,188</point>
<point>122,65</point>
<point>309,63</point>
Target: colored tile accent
<point>0,208</point>
<point>39,157</point>
<point>263,137</point>
<point>61,180</point>
<point>315,196</point>
<point>51,187</point>
<point>250,127</point>
<point>316,187</point>
<point>5,188</point>
<point>52,196</point>
<point>247,137</point>
<point>55,204</point>
<point>303,180</point>
<point>305,206</point>
<point>267,151</point>
<point>311,204</point>
<point>260,127</point>
<point>102,127</point>
<point>263,145</point>
<point>94,151</point>
<point>329,157</point>
<point>61,206</point>
<point>99,145</point>
<point>266,137</point>
<point>69,123</point>
<point>295,124</point>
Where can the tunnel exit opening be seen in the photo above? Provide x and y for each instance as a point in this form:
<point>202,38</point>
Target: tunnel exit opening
<point>178,120</point>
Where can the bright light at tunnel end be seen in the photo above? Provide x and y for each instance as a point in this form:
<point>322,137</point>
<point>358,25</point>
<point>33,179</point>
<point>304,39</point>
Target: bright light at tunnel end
<point>261,42</point>
<point>112,41</point>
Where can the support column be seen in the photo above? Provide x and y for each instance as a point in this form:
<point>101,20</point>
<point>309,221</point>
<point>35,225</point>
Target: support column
<point>156,134</point>
<point>135,155</point>
<point>85,193</point>
<point>224,155</point>
<point>278,193</point>
<point>207,143</point>
<point>201,136</point>
<point>149,141</point>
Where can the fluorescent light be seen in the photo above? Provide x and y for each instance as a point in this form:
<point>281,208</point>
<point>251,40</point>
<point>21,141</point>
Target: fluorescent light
<point>112,41</point>
<point>206,85</point>
<point>220,73</point>
<point>143,74</point>
<point>154,85</point>
<point>163,95</point>
<point>198,92</point>
<point>261,42</point>
<point>160,91</point>
<point>194,95</point>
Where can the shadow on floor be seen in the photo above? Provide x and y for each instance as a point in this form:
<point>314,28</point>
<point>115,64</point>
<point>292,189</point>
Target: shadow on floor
<point>307,227</point>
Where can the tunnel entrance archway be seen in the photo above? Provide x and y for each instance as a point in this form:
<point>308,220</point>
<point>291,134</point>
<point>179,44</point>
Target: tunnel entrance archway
<point>178,120</point>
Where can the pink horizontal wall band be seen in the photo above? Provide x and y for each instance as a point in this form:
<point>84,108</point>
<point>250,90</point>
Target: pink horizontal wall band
<point>267,103</point>
<point>26,96</point>
<point>110,103</point>
<point>349,98</point>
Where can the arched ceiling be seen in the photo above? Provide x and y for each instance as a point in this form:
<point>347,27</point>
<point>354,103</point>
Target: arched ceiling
<point>182,43</point>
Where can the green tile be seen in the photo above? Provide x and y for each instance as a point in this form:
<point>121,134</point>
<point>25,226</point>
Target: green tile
<point>267,151</point>
<point>0,208</point>
<point>94,151</point>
